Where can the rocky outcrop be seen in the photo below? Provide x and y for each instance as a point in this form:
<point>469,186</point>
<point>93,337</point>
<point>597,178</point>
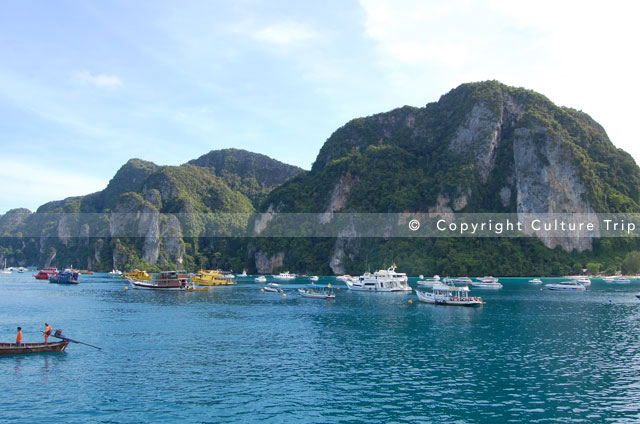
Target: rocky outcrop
<point>339,197</point>
<point>266,264</point>
<point>548,182</point>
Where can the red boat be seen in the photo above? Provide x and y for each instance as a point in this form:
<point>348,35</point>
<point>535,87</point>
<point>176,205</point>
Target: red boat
<point>45,273</point>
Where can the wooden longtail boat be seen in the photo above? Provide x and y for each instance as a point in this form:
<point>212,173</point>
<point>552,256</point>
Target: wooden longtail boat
<point>23,348</point>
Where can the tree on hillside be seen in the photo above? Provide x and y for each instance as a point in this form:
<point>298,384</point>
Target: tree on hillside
<point>631,263</point>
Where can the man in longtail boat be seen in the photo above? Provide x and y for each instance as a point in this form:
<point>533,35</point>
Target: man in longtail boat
<point>19,336</point>
<point>47,332</point>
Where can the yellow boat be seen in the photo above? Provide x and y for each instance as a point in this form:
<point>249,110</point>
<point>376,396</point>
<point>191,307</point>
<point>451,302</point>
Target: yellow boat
<point>213,278</point>
<point>137,275</point>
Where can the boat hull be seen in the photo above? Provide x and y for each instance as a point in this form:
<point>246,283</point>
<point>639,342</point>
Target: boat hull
<point>494,286</point>
<point>449,301</point>
<point>149,285</point>
<point>27,348</point>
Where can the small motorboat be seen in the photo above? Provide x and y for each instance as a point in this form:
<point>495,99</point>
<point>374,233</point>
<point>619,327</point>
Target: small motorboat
<point>273,287</point>
<point>24,348</point>
<point>315,293</point>
<point>244,273</point>
<point>570,285</point>
<point>285,276</point>
<point>115,273</point>
<point>487,283</point>
<point>64,277</point>
<point>314,278</point>
<point>260,279</point>
<point>429,282</point>
<point>535,281</point>
<point>44,273</point>
<point>443,294</point>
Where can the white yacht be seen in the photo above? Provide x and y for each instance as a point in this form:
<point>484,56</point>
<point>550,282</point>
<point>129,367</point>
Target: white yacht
<point>535,281</point>
<point>429,282</point>
<point>314,278</point>
<point>273,287</point>
<point>621,280</point>
<point>487,283</point>
<point>458,280</point>
<point>382,281</point>
<point>570,285</point>
<point>285,276</point>
<point>115,273</point>
<point>261,279</point>
<point>584,281</point>
<point>449,295</point>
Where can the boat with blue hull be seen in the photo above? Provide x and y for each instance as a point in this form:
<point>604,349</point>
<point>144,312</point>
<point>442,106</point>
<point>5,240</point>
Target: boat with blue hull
<point>65,277</point>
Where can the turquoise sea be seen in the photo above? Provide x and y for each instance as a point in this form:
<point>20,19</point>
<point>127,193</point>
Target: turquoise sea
<point>236,354</point>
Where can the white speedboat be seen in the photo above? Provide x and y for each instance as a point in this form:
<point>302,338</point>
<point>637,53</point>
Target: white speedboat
<point>621,280</point>
<point>115,273</point>
<point>314,278</point>
<point>345,277</point>
<point>487,279</point>
<point>443,294</point>
<point>285,276</point>
<point>458,280</point>
<point>421,277</point>
<point>584,281</point>
<point>535,281</point>
<point>244,273</point>
<point>273,287</point>
<point>315,293</point>
<point>381,281</point>
<point>486,285</point>
<point>566,286</point>
<point>260,279</point>
<point>430,282</point>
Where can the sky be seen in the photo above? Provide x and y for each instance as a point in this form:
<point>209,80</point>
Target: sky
<point>86,86</point>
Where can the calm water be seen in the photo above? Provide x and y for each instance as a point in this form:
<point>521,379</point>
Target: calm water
<point>236,354</point>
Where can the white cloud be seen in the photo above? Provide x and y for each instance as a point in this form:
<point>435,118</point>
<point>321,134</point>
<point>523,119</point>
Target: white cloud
<point>577,53</point>
<point>284,33</point>
<point>98,80</point>
<point>29,183</point>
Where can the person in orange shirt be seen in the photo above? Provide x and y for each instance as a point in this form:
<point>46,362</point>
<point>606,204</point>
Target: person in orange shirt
<point>47,332</point>
<point>19,336</point>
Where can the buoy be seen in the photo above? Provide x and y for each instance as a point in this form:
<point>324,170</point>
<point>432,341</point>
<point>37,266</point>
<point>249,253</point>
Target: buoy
<point>329,285</point>
<point>261,290</point>
<point>338,288</point>
<point>410,301</point>
<point>284,295</point>
<point>126,287</point>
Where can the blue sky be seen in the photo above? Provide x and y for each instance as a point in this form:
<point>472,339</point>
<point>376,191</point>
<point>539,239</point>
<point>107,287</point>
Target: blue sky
<point>85,86</point>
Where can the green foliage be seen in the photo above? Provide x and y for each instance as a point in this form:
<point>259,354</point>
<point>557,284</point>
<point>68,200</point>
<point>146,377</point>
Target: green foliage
<point>631,263</point>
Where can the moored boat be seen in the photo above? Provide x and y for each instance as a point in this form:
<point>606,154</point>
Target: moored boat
<point>317,293</point>
<point>115,273</point>
<point>314,278</point>
<point>213,278</point>
<point>260,279</point>
<point>64,277</point>
<point>44,273</point>
<point>167,280</point>
<point>443,294</point>
<point>285,276</point>
<point>535,281</point>
<point>487,283</point>
<point>429,282</point>
<point>566,286</point>
<point>381,281</point>
<point>5,270</point>
<point>137,275</point>
<point>273,287</point>
<point>25,348</point>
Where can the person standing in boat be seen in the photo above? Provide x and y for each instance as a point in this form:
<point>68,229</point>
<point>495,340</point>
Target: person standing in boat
<point>47,332</point>
<point>19,336</point>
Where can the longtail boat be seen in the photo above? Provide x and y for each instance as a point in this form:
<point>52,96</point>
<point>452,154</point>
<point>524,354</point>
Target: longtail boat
<point>22,348</point>
<point>167,280</point>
